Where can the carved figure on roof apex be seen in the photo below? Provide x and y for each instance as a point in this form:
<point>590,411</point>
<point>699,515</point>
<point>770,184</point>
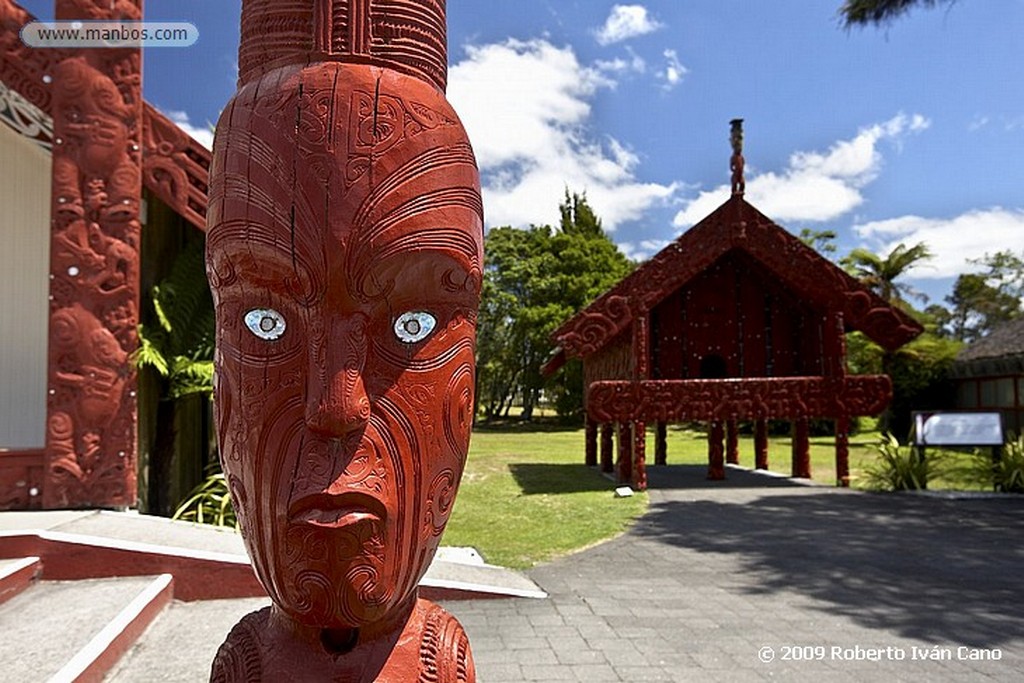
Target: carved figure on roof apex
<point>736,161</point>
<point>344,252</point>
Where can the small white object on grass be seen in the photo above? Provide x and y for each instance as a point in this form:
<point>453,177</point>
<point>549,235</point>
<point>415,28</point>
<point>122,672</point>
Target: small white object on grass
<point>623,492</point>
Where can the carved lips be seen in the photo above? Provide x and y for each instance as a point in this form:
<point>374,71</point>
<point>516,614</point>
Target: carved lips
<point>337,511</point>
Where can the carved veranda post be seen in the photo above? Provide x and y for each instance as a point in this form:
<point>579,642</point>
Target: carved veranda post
<point>94,266</point>
<point>344,252</point>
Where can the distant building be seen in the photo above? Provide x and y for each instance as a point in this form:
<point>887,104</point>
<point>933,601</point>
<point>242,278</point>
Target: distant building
<point>990,374</point>
<point>737,319</point>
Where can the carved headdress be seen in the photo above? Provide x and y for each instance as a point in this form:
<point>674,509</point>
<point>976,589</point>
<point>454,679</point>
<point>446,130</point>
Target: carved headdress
<point>406,35</point>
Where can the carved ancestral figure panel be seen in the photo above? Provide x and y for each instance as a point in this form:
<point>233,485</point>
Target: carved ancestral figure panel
<point>97,114</point>
<point>345,253</point>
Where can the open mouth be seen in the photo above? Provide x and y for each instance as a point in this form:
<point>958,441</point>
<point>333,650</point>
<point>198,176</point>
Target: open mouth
<point>336,511</point>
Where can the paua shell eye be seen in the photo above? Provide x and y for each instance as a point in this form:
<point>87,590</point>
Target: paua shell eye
<point>265,323</point>
<point>414,326</point>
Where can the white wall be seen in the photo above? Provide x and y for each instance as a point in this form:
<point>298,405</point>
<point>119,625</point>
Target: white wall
<point>24,264</point>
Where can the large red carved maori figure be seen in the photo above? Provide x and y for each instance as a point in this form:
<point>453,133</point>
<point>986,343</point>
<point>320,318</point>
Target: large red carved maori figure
<point>97,114</point>
<point>344,251</point>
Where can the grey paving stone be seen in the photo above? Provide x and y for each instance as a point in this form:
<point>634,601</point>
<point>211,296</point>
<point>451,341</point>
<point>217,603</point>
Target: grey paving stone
<point>714,572</point>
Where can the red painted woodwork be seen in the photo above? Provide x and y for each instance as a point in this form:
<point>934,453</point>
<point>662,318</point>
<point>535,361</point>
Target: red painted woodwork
<point>607,447</point>
<point>344,251</point>
<point>94,260</point>
<point>624,462</point>
<point>738,399</point>
<point>591,443</point>
<point>732,446</point>
<point>69,557</point>
<point>716,452</point>
<point>660,443</point>
<point>843,452</point>
<point>801,449</point>
<point>638,476</point>
<point>22,477</point>
<point>761,444</point>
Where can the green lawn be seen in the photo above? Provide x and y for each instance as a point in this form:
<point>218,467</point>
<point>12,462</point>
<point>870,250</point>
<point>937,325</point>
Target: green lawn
<point>526,496</point>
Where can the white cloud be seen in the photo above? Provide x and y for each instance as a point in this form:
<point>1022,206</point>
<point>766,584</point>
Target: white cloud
<point>953,241</point>
<point>814,186</point>
<point>624,22</point>
<point>635,63</point>
<point>201,134</point>
<point>672,74</point>
<point>526,106</point>
<point>642,250</point>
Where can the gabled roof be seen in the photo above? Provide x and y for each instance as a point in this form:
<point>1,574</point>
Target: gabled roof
<point>1001,352</point>
<point>174,166</point>
<point>735,225</point>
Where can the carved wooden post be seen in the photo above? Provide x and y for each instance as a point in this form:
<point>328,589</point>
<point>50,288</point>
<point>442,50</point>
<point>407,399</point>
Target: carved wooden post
<point>624,465</point>
<point>590,455</point>
<point>761,444</point>
<point>732,443</point>
<point>94,269</point>
<point>660,443</point>
<point>607,447</point>
<point>716,453</point>
<point>345,255</point>
<point>801,449</point>
<point>843,452</point>
<point>639,475</point>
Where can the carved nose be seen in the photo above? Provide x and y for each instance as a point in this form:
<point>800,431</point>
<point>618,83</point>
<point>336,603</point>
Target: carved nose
<point>336,401</point>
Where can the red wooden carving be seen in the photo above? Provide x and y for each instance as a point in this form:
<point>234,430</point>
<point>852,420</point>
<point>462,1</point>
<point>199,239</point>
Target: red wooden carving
<point>93,98</point>
<point>94,259</point>
<point>738,399</point>
<point>175,166</point>
<point>345,256</point>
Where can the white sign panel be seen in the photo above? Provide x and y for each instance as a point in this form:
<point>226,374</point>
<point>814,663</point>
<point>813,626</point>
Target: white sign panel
<point>958,429</point>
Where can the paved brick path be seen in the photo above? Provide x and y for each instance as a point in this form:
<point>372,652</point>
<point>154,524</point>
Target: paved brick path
<point>717,571</point>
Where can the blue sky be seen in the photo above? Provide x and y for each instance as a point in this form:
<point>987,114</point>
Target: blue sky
<point>914,132</point>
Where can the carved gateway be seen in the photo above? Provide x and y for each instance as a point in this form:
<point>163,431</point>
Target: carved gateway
<point>85,107</point>
<point>345,256</point>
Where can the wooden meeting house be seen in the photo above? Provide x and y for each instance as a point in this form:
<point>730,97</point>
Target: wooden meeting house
<point>736,319</point>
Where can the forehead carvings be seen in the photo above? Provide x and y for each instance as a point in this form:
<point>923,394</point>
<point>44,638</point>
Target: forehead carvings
<point>317,164</point>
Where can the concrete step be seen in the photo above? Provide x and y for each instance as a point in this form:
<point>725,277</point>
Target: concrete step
<point>16,575</point>
<point>181,643</point>
<point>75,630</point>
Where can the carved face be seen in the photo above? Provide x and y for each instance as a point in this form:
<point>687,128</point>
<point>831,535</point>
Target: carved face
<point>344,253</point>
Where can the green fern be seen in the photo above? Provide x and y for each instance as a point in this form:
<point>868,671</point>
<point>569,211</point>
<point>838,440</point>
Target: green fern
<point>899,468</point>
<point>209,503</point>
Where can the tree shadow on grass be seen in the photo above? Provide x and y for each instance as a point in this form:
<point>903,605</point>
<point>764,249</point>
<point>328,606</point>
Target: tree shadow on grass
<point>551,478</point>
<point>514,425</point>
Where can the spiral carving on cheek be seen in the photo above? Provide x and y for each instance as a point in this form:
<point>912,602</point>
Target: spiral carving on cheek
<point>439,503</point>
<point>458,410</point>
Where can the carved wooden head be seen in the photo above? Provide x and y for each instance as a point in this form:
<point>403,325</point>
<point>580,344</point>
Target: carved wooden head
<point>344,251</point>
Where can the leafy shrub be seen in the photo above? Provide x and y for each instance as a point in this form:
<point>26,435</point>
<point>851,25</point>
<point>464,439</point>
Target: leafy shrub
<point>899,468</point>
<point>1005,475</point>
<point>209,503</point>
